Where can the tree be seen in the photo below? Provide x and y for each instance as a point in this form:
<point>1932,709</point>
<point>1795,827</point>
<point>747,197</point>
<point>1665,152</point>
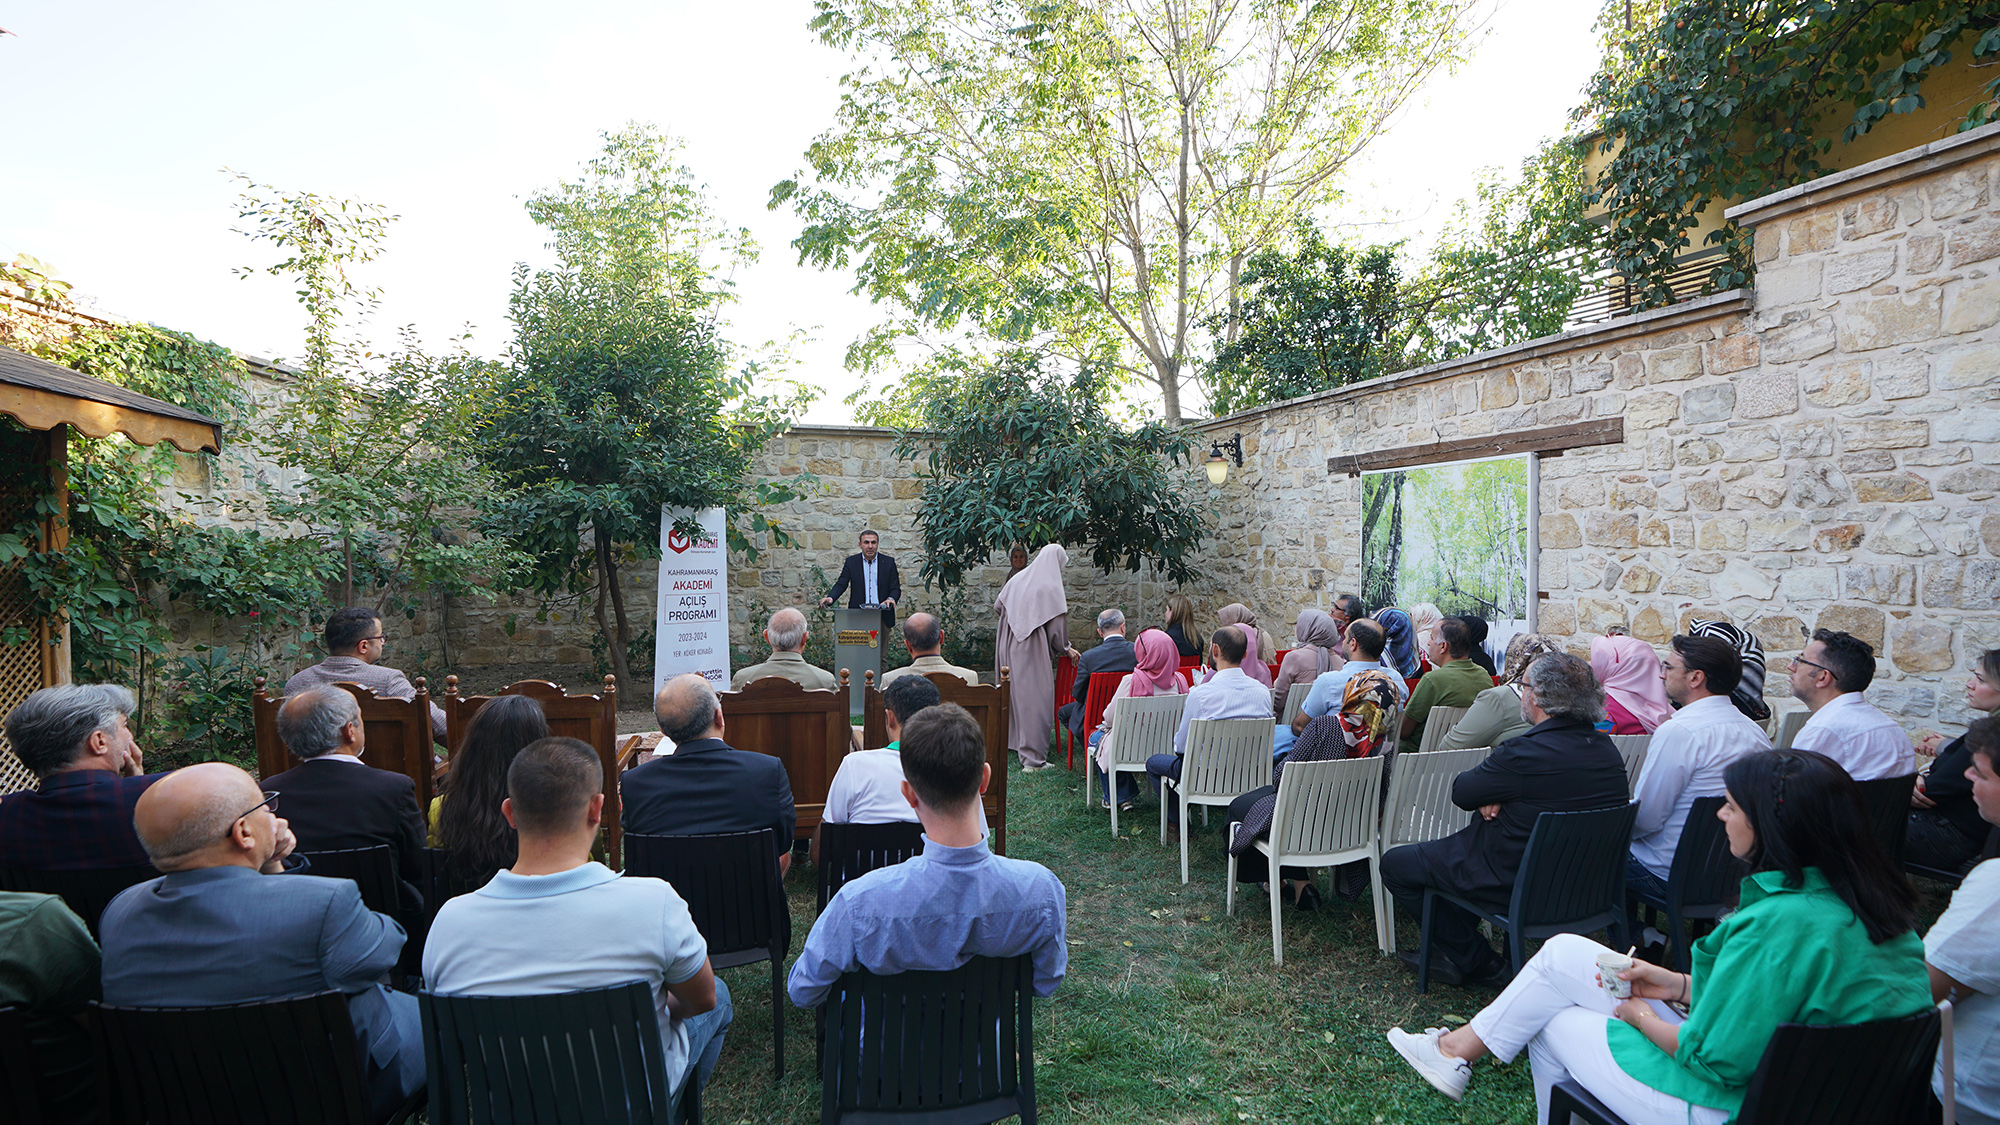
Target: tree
<point>620,395</point>
<point>1089,177</point>
<point>1008,452</point>
<point>381,439</point>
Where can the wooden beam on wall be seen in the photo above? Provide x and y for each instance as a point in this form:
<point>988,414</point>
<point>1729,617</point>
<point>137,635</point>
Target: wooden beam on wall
<point>1549,441</point>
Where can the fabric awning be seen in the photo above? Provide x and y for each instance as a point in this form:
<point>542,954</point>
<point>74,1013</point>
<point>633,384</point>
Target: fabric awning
<point>42,395</point>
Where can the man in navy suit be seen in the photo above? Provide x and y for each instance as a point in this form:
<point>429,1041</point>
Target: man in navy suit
<point>1112,653</point>
<point>870,579</point>
<point>705,785</point>
<point>226,925</point>
<point>334,800</point>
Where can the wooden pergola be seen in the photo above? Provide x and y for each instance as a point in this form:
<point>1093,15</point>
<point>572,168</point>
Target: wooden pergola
<point>48,400</point>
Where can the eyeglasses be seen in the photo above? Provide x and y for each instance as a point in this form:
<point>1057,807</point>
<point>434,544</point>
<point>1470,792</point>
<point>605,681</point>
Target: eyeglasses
<point>1796,660</point>
<point>377,638</point>
<point>270,801</point>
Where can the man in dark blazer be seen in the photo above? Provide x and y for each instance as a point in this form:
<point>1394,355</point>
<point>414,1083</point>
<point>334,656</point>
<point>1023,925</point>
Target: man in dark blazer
<point>1112,653</point>
<point>855,578</point>
<point>1563,763</point>
<point>334,800</point>
<point>74,739</point>
<point>227,925</point>
<point>705,786</point>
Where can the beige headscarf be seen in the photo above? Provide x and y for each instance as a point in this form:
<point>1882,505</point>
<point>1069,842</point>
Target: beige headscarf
<point>1424,619</point>
<point>1034,597</point>
<point>1236,613</point>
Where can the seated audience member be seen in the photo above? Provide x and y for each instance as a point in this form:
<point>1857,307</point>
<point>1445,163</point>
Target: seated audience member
<point>1112,653</point>
<point>1453,681</point>
<point>1823,936</point>
<point>1829,677</point>
<point>465,818</point>
<point>1946,829</point>
<point>1228,694</point>
<point>1180,626</point>
<point>354,646</point>
<point>1961,951</point>
<point>333,800</point>
<point>1629,669</point>
<point>73,738</point>
<point>1317,654</point>
<point>1361,647</point>
<point>1157,674</point>
<point>1424,620</point>
<point>925,640</point>
<point>225,925</point>
<point>1688,753</point>
<point>1358,730</point>
<point>1562,764</point>
<point>48,970</point>
<point>1401,650</point>
<point>787,635</point>
<point>705,786</point>
<point>1749,694</point>
<point>868,786</point>
<point>1479,630</point>
<point>1496,715</point>
<point>1346,610</point>
<point>954,902</point>
<point>1255,662</point>
<point>557,921</point>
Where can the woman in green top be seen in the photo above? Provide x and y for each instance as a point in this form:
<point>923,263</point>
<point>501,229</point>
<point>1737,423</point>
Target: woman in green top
<point>1823,934</point>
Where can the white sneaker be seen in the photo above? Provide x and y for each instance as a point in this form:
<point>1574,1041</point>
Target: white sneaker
<point>1448,1074</point>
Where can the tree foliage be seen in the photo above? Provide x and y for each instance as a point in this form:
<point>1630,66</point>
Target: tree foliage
<point>1730,99</point>
<point>621,396</point>
<point>1088,178</point>
<point>1010,452</point>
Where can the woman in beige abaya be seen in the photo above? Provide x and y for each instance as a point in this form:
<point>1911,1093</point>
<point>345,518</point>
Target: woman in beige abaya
<point>1032,634</point>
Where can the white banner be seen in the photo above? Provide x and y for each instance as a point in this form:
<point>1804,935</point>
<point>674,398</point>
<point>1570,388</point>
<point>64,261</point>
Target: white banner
<point>691,630</point>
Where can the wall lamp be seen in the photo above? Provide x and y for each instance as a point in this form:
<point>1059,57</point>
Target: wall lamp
<point>1218,465</point>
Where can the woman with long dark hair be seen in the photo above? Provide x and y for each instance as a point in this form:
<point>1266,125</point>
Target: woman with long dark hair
<point>1945,830</point>
<point>1824,934</point>
<point>466,817</point>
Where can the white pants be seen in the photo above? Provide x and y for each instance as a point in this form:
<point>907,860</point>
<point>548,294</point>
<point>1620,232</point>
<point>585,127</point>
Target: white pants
<point>1556,1009</point>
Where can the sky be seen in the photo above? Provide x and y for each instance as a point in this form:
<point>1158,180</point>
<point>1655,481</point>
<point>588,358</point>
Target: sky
<point>124,116</point>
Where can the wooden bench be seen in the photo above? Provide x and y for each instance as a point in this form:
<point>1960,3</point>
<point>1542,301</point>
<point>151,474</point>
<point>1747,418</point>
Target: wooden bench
<point>592,719</point>
<point>987,704</point>
<point>806,730</point>
<point>397,731</point>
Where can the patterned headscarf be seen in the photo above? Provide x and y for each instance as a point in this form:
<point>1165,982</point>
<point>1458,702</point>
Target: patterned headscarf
<point>1159,663</point>
<point>1357,730</point>
<point>1749,693</point>
<point>1522,651</point>
<point>1402,647</point>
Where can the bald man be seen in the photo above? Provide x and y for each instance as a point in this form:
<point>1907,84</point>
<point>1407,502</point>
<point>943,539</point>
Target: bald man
<point>787,635</point>
<point>924,637</point>
<point>705,785</point>
<point>227,925</point>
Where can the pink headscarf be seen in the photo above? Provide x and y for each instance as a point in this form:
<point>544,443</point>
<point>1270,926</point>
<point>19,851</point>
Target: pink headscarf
<point>1159,666</point>
<point>1629,669</point>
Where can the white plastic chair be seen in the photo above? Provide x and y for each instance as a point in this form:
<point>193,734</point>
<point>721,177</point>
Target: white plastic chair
<point>1788,729</point>
<point>1327,813</point>
<point>1295,698</point>
<point>1419,809</point>
<point>1437,724</point>
<point>1632,748</point>
<point>1140,728</point>
<point>1225,759</point>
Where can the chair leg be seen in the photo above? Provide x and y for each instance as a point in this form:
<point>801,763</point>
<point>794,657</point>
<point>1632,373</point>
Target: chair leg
<point>1424,945</point>
<point>1678,940</point>
<point>1385,922</point>
<point>1166,794</point>
<point>1277,885</point>
<point>1517,946</point>
<point>778,1006</point>
<point>1185,810</point>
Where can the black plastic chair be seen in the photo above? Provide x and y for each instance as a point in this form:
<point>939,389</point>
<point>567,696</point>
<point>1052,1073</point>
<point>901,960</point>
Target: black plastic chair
<point>286,1061</point>
<point>1702,880</point>
<point>373,871</point>
<point>931,1048</point>
<point>1572,881</point>
<point>849,851</point>
<point>731,885</point>
<point>1956,877</point>
<point>590,1056</point>
<point>1887,802</point>
<point>1876,1073</point>
<point>20,1103</point>
<point>86,892</point>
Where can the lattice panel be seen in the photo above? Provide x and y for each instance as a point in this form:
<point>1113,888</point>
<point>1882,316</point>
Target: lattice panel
<point>22,465</point>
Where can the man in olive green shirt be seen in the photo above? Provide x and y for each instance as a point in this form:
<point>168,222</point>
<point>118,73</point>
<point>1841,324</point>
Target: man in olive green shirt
<point>49,969</point>
<point>1453,681</point>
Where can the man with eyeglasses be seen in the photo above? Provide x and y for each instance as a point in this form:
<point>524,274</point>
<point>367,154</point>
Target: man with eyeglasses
<point>355,643</point>
<point>227,925</point>
<point>1829,677</point>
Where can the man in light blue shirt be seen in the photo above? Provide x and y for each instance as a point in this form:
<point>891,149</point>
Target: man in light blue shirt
<point>1228,694</point>
<point>957,900</point>
<point>558,922</point>
<point>1362,644</point>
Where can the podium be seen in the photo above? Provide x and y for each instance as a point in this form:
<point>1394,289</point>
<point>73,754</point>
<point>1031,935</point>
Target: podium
<point>858,637</point>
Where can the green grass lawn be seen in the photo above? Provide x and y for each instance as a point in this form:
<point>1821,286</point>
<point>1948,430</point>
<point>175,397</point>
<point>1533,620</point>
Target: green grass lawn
<point>1171,1012</point>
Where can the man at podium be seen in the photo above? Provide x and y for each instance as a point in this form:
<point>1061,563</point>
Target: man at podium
<point>869,578</point>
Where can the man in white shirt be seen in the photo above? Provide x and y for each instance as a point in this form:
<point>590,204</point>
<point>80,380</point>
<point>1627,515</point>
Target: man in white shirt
<point>1829,677</point>
<point>1228,694</point>
<point>558,922</point>
<point>1361,645</point>
<point>1687,754</point>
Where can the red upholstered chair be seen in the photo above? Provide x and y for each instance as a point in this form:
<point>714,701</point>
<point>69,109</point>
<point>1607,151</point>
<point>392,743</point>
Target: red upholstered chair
<point>1096,700</point>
